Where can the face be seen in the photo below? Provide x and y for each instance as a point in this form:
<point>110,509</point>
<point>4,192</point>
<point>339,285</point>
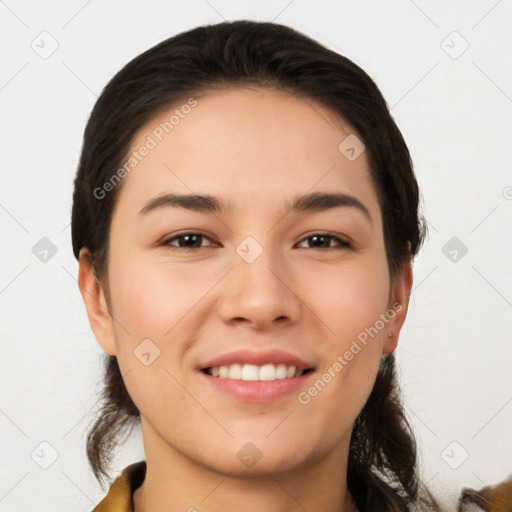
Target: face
<point>264,277</point>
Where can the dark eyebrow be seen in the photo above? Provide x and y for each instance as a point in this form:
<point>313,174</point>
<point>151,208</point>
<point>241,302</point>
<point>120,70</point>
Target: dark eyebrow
<point>321,201</point>
<point>195,202</point>
<point>308,203</point>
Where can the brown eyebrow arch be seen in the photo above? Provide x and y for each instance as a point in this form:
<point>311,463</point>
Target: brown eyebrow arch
<point>321,201</point>
<point>195,202</point>
<point>314,202</point>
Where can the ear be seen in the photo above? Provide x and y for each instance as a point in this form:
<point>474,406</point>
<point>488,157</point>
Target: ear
<point>95,303</point>
<point>399,303</point>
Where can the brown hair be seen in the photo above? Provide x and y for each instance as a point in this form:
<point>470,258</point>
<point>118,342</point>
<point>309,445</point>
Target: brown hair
<point>238,54</point>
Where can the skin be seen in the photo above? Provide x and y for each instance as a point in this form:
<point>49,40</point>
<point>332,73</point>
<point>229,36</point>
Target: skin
<point>257,149</point>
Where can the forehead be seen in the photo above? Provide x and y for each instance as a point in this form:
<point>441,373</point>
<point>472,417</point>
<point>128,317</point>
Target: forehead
<point>248,145</point>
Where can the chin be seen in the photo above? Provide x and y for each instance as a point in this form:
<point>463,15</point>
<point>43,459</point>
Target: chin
<point>261,464</point>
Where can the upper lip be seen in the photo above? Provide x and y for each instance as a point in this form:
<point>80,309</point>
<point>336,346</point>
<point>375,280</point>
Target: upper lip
<point>258,359</point>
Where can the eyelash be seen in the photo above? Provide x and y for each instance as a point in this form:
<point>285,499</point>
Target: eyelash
<point>342,244</point>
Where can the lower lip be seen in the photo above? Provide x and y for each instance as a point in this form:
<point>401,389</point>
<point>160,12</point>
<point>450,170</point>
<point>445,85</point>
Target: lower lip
<point>258,391</point>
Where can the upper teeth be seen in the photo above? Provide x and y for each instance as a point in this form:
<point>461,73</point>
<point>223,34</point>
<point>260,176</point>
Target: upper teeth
<point>253,372</point>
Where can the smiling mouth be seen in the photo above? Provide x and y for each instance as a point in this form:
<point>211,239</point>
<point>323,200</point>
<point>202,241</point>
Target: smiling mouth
<point>251,372</point>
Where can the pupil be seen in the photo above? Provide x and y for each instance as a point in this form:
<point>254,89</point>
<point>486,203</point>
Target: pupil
<point>189,240</point>
<point>316,238</point>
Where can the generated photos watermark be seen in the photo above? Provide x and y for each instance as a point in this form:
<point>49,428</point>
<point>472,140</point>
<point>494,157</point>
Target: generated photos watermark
<point>304,397</point>
<point>151,142</point>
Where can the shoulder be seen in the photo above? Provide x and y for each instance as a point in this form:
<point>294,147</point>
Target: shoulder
<point>120,495</point>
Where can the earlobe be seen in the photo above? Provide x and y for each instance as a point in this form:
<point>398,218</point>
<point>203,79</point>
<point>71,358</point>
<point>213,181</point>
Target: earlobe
<point>390,343</point>
<point>398,305</point>
<point>95,302</point>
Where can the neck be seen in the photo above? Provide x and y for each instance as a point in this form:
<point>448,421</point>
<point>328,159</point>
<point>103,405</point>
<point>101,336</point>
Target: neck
<point>174,482</point>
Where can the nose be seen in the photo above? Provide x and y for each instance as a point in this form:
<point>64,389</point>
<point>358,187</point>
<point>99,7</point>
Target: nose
<point>260,294</point>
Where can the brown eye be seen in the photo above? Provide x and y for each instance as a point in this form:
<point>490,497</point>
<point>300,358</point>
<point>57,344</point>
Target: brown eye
<point>186,241</point>
<point>324,241</point>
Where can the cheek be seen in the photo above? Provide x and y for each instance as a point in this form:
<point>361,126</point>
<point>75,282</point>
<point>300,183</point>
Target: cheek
<point>152,302</point>
<point>348,298</point>
<point>152,298</point>
<point>349,302</point>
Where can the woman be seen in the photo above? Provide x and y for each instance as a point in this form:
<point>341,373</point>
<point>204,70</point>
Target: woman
<point>245,214</point>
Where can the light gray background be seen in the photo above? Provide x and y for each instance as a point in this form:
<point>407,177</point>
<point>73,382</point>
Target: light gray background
<point>454,108</point>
